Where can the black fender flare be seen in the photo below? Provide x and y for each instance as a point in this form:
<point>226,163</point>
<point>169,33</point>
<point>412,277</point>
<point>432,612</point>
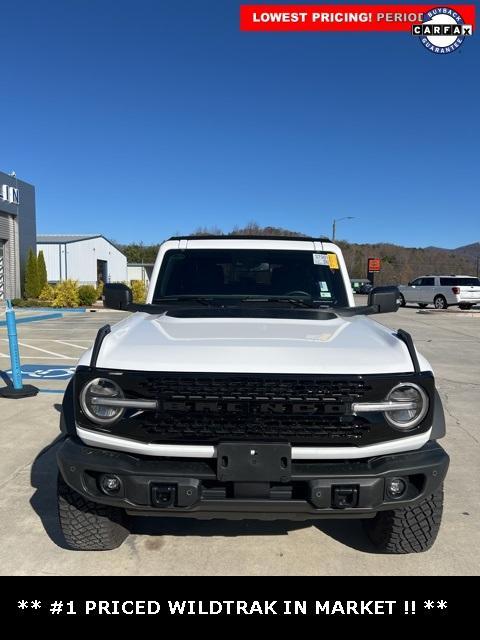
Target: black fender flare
<point>67,417</point>
<point>438,423</point>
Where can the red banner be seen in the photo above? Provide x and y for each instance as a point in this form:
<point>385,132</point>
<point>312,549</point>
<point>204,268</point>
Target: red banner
<point>335,17</point>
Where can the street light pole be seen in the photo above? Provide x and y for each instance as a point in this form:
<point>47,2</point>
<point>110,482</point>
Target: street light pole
<point>334,226</point>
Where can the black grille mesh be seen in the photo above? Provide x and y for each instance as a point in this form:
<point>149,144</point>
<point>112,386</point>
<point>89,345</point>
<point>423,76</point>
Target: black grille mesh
<point>241,387</point>
<point>207,408</point>
<point>296,409</point>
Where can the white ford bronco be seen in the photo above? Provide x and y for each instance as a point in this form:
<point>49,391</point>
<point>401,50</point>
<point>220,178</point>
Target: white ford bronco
<point>250,386</point>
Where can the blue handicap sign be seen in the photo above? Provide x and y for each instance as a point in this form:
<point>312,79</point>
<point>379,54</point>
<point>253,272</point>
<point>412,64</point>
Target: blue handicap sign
<point>45,372</point>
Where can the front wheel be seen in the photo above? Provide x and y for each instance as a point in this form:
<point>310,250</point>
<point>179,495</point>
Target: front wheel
<point>87,525</point>
<point>440,302</point>
<point>411,529</point>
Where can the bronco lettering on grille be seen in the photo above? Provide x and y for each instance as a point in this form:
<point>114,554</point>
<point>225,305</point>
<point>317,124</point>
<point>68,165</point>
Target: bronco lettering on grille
<point>251,407</point>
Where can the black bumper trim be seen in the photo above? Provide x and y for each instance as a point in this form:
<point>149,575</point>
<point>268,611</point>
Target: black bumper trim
<point>199,494</point>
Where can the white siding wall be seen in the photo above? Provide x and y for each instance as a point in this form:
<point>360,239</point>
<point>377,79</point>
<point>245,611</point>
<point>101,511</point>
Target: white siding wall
<point>78,261</point>
<point>138,273</point>
<point>54,259</point>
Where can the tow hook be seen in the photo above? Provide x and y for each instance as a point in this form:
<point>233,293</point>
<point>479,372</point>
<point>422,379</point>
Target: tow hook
<point>163,495</point>
<point>344,496</point>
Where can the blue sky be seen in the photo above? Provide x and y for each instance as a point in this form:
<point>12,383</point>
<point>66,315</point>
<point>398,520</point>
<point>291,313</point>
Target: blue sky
<point>144,119</point>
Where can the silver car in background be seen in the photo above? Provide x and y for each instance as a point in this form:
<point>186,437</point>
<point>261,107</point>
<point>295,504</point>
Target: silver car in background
<point>442,291</point>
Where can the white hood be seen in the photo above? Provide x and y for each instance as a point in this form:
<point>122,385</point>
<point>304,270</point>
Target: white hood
<point>342,345</point>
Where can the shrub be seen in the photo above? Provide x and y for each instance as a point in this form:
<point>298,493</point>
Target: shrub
<point>30,302</point>
<point>32,288</point>
<point>47,294</point>
<point>66,294</point>
<point>87,295</point>
<point>41,271</point>
<point>139,291</point>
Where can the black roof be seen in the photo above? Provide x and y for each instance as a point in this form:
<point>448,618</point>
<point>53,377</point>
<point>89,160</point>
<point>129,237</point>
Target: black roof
<point>248,237</point>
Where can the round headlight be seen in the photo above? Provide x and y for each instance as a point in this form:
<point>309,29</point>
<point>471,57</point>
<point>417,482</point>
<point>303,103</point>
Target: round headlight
<point>92,395</point>
<point>413,396</point>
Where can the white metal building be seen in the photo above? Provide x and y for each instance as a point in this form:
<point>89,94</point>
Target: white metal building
<point>86,258</point>
<point>140,271</point>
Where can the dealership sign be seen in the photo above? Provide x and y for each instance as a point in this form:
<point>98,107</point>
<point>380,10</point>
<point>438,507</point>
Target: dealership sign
<point>373,265</point>
<point>9,194</point>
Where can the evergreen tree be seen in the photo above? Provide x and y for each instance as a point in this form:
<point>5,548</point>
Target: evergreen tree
<point>31,276</point>
<point>41,271</point>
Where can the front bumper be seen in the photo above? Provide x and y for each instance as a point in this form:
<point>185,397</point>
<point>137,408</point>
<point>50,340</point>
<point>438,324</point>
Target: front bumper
<point>191,488</point>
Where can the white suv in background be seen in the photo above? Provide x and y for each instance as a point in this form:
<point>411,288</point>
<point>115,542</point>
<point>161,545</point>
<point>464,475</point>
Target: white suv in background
<point>442,291</point>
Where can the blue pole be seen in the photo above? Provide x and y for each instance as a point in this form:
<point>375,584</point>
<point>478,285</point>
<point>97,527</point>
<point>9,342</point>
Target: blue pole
<point>17,389</point>
<point>13,344</point>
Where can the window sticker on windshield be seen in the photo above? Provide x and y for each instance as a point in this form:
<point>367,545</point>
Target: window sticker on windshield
<point>325,294</point>
<point>323,286</point>
<point>320,258</point>
<point>333,261</point>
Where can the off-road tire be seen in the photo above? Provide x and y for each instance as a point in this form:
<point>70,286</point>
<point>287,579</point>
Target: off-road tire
<point>87,525</point>
<point>410,529</point>
<point>440,302</point>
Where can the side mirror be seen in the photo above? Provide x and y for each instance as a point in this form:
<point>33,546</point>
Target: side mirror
<point>117,295</point>
<point>410,284</point>
<point>386,299</point>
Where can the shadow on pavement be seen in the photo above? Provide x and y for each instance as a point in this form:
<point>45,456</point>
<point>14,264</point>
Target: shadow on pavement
<point>347,532</point>
<point>4,376</point>
<point>44,503</point>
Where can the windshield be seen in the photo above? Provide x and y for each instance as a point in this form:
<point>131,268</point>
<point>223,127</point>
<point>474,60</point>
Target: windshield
<point>247,273</point>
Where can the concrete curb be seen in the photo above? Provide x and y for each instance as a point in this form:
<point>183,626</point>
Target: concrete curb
<point>57,309</point>
<point>464,314</point>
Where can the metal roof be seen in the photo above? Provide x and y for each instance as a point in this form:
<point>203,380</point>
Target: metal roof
<point>68,239</point>
<point>140,264</point>
<point>63,239</point>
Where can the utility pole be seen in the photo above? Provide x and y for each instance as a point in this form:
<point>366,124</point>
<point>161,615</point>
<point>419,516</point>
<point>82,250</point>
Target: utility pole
<point>334,225</point>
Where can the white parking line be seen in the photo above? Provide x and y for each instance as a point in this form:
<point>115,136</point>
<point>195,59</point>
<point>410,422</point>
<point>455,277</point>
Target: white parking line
<point>51,353</point>
<point>69,344</point>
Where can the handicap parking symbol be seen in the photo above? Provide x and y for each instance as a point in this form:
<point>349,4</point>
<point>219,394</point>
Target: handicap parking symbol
<point>45,372</point>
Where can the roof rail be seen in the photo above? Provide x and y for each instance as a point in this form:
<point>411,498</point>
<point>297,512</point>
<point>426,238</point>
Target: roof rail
<point>251,237</point>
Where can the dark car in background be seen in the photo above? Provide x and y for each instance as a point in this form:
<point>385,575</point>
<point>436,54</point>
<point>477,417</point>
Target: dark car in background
<point>361,285</point>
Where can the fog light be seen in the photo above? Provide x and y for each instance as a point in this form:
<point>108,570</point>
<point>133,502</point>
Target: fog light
<point>110,484</point>
<point>396,487</point>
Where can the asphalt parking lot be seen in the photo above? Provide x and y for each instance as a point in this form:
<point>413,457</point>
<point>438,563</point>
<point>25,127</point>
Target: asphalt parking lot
<point>32,543</point>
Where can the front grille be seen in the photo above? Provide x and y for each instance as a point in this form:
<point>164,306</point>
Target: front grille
<point>201,428</point>
<point>295,409</point>
<point>206,408</point>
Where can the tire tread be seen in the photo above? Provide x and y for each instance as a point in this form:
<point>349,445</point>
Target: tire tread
<point>88,525</point>
<point>411,529</point>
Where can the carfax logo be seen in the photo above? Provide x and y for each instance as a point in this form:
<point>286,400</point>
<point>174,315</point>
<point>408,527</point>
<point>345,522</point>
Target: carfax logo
<point>443,30</point>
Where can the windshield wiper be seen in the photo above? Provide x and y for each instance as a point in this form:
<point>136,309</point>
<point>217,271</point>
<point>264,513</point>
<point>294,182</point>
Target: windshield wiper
<point>300,302</point>
<point>200,299</point>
